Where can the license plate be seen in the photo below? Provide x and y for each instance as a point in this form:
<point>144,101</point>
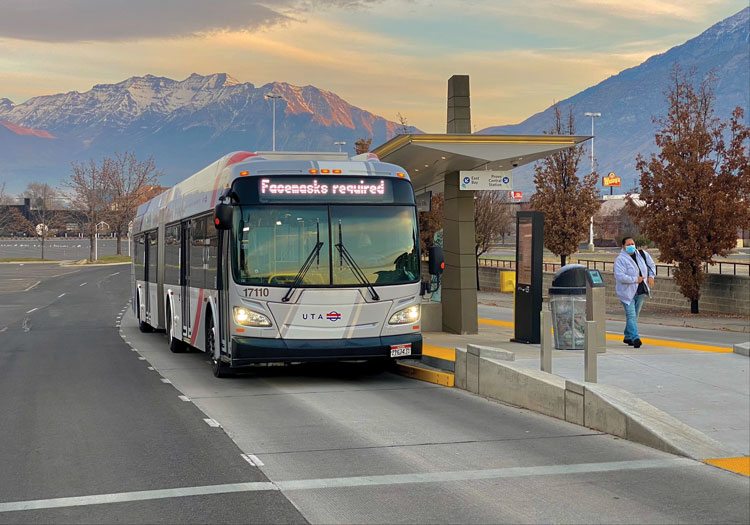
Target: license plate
<point>400,350</point>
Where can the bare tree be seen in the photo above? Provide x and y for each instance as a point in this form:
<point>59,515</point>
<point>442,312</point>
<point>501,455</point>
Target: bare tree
<point>362,145</point>
<point>568,202</point>
<point>127,181</point>
<point>89,194</point>
<point>697,189</point>
<point>431,221</point>
<point>43,219</point>
<point>5,211</point>
<point>403,125</point>
<point>492,217</point>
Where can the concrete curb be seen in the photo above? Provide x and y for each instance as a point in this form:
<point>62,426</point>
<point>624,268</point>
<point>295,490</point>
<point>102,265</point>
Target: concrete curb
<point>600,407</point>
<point>742,349</point>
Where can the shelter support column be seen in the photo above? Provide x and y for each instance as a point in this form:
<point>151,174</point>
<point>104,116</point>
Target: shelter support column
<point>459,295</point>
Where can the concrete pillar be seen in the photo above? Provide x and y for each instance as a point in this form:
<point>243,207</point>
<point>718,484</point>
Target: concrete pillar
<point>459,106</point>
<point>459,295</point>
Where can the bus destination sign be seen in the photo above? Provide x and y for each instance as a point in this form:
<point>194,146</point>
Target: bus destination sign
<point>344,189</point>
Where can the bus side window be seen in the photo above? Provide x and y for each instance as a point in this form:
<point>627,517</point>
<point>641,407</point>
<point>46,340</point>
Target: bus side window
<point>138,255</point>
<point>153,250</point>
<point>197,235</point>
<point>212,247</point>
<point>172,255</point>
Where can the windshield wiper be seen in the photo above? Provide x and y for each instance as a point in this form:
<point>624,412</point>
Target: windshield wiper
<point>356,270</point>
<point>314,254</point>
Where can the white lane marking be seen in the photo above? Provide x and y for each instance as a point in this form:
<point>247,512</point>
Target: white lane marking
<point>184,398</point>
<point>32,310</point>
<point>82,284</point>
<point>143,495</point>
<point>252,459</point>
<point>166,381</point>
<point>141,358</point>
<point>60,295</point>
<point>150,367</point>
<point>3,329</point>
<point>32,286</point>
<point>212,422</point>
<point>113,274</point>
<point>357,481</point>
<point>133,349</point>
<point>468,475</point>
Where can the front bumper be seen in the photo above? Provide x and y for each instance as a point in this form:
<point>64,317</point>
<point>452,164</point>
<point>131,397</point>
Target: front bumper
<point>251,350</point>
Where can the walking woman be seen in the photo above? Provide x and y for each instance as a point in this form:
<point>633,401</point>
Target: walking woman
<point>631,277</point>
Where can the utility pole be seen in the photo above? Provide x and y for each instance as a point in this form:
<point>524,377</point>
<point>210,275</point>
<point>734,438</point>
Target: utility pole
<point>273,97</point>
<point>591,225</point>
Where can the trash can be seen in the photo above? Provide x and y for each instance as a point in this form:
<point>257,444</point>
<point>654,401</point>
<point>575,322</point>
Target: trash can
<point>567,299</point>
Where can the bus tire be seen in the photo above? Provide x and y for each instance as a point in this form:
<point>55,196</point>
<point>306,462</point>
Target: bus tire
<point>218,367</point>
<point>175,345</point>
<point>143,326</point>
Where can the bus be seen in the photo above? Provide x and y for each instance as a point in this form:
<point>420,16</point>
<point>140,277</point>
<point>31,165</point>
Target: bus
<point>264,258</point>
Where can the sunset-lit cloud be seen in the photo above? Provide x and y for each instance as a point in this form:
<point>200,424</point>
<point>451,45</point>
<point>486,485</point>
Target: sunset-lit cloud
<point>386,56</point>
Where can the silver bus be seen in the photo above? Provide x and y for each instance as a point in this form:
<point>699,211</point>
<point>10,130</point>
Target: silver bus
<point>282,258</point>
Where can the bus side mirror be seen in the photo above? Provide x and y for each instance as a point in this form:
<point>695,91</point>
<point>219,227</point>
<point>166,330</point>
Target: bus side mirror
<point>436,261</point>
<point>223,216</point>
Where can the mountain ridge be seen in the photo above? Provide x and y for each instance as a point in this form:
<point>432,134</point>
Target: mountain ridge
<point>629,100</point>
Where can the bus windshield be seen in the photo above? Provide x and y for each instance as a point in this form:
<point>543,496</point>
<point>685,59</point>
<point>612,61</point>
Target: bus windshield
<point>272,243</point>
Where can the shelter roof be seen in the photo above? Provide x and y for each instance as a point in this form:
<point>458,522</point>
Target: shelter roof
<point>428,157</point>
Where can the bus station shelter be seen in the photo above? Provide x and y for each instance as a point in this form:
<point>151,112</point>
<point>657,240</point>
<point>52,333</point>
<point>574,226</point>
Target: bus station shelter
<point>434,161</point>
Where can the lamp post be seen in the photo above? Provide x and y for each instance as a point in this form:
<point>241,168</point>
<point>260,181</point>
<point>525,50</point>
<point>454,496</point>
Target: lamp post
<point>96,238</point>
<point>273,97</point>
<point>591,225</point>
<point>339,144</point>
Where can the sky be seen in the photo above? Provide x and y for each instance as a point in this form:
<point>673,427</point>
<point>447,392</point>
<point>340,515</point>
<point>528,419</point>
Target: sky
<point>386,56</point>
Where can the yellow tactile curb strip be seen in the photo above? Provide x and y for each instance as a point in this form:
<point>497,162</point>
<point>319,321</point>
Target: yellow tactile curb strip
<point>423,374</point>
<point>439,352</point>
<point>645,340</point>
<point>740,465</point>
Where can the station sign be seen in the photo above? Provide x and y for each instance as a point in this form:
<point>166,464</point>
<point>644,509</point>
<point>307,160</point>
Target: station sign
<point>611,180</point>
<point>486,180</point>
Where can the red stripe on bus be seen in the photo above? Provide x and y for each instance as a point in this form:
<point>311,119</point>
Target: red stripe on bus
<point>196,324</point>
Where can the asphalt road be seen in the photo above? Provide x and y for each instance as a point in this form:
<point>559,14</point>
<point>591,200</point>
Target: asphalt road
<point>57,249</point>
<point>82,415</point>
<point>91,433</point>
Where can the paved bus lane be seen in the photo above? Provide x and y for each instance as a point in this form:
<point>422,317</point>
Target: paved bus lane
<point>348,445</point>
<point>82,416</point>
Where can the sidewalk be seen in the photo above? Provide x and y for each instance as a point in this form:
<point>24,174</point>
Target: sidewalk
<point>706,390</point>
<point>649,315</point>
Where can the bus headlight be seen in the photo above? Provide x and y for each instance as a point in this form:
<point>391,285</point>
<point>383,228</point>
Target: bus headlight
<point>247,317</point>
<point>407,315</point>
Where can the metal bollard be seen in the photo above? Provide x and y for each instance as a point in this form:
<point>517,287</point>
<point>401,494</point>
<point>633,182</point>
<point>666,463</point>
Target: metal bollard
<point>590,352</point>
<point>545,343</point>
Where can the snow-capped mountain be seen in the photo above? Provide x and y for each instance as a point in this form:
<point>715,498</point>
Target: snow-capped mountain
<point>184,124</point>
<point>629,100</point>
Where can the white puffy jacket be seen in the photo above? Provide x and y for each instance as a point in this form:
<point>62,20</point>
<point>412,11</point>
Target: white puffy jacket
<point>626,275</point>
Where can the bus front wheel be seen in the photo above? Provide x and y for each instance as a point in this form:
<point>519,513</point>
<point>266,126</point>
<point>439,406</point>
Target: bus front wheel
<point>218,367</point>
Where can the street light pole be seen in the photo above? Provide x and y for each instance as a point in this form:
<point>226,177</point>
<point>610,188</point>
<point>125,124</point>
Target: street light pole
<point>339,144</point>
<point>591,224</point>
<point>273,97</point>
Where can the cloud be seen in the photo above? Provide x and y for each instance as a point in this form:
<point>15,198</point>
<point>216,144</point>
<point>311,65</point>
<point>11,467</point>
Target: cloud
<point>119,20</point>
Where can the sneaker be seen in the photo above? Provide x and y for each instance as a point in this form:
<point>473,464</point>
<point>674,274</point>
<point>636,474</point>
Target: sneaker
<point>637,343</point>
<point>627,342</point>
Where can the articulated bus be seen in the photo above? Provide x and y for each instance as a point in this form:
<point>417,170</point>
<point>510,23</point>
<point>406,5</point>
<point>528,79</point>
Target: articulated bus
<point>265,258</point>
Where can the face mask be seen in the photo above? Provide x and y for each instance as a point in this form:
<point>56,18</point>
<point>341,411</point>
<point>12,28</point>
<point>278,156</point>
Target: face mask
<point>630,249</point>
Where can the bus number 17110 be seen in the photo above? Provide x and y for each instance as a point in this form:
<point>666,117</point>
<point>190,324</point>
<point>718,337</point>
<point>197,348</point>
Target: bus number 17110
<point>256,292</point>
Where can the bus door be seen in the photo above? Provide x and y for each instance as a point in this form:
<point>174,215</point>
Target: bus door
<point>185,278</point>
<point>146,296</point>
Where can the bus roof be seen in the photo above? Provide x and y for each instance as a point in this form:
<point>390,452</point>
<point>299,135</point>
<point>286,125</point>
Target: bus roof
<point>199,192</point>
